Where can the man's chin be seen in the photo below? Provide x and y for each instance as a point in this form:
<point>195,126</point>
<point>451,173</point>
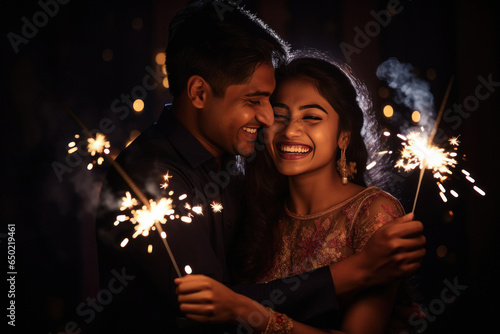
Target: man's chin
<point>246,150</point>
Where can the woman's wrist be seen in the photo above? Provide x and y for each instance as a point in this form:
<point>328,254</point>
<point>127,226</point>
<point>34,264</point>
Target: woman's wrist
<point>252,313</point>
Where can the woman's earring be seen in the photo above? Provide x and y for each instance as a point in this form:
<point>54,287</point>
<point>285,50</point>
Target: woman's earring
<point>346,171</point>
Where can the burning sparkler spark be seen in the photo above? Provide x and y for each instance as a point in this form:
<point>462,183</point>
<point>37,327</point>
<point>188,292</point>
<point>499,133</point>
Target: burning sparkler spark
<point>418,153</point>
<point>216,207</point>
<point>98,145</point>
<point>188,270</point>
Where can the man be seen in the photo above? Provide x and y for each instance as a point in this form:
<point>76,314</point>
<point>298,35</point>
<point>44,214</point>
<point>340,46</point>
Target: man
<point>221,75</point>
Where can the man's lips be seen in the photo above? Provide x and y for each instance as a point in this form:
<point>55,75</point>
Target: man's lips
<point>250,130</point>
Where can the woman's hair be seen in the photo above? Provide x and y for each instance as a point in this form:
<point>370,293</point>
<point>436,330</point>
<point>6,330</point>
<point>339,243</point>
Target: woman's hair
<point>222,46</point>
<point>267,189</point>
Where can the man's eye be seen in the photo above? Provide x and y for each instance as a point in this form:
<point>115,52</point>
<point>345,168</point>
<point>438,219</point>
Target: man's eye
<point>254,102</point>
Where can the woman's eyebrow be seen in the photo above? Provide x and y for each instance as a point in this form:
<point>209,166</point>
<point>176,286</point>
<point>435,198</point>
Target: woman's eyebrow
<point>309,106</point>
<point>281,105</point>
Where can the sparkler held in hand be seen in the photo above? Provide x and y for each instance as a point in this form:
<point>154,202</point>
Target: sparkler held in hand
<point>422,153</point>
<point>152,213</point>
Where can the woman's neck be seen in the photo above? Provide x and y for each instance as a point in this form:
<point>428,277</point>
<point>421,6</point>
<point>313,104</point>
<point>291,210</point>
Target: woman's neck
<point>318,190</point>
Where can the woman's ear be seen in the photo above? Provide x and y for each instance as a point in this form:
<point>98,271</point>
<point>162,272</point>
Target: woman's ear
<point>197,91</point>
<point>344,139</point>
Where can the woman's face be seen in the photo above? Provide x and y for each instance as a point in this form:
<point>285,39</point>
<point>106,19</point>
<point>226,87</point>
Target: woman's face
<point>304,136</point>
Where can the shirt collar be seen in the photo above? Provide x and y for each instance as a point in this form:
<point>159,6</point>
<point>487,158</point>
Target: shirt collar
<point>182,140</point>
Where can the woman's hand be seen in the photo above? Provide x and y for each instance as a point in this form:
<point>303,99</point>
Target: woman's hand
<point>204,299</point>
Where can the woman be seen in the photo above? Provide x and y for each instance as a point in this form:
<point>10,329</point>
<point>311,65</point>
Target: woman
<point>318,211</point>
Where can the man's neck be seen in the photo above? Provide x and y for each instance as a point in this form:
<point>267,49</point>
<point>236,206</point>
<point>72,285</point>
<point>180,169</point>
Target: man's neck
<point>187,116</point>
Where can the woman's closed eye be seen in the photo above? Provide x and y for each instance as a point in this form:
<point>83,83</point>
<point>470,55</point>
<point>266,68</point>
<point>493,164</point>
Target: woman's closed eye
<point>311,117</point>
<point>281,117</point>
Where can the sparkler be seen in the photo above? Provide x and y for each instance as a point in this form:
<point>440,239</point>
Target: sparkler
<point>425,155</point>
<point>152,214</point>
<point>422,153</point>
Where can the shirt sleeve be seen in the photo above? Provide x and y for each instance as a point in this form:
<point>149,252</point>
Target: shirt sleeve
<point>376,210</point>
<point>305,297</point>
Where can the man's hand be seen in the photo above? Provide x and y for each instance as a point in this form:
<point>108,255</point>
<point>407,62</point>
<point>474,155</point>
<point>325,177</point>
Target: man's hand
<point>394,251</point>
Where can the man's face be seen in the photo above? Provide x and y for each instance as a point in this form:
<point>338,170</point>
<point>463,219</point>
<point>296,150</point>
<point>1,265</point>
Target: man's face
<point>230,123</point>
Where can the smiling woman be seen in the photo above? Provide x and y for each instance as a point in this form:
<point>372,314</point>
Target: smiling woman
<point>303,213</point>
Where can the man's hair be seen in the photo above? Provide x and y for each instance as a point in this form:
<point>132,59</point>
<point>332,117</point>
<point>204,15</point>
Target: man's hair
<point>223,47</point>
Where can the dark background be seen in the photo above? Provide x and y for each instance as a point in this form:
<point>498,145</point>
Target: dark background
<point>65,59</point>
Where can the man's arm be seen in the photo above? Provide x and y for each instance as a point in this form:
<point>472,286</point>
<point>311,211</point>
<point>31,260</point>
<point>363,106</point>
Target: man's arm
<point>394,251</point>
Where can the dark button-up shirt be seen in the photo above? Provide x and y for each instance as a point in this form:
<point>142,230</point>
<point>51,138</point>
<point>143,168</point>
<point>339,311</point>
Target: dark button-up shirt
<point>147,300</point>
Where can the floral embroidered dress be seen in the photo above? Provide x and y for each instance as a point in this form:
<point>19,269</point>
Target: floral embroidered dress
<point>316,240</point>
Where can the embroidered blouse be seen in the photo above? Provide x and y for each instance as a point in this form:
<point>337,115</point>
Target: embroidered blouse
<point>312,241</point>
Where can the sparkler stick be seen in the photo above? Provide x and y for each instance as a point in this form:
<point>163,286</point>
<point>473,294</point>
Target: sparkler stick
<point>126,177</point>
<point>431,138</point>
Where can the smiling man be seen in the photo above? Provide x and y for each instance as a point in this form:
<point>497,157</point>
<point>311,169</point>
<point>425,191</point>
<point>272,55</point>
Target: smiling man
<point>221,76</point>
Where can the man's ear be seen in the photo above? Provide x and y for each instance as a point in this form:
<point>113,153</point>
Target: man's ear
<point>344,139</point>
<point>197,91</point>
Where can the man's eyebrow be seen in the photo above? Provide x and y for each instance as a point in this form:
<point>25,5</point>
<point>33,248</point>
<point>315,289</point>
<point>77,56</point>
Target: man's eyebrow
<point>309,106</point>
<point>258,93</point>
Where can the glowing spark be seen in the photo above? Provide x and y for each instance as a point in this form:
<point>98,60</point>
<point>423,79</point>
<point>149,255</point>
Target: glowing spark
<point>188,270</point>
<point>197,209</point>
<point>90,166</point>
<point>470,179</point>
<point>166,178</point>
<point>98,145</point>
<point>216,207</point>
<point>144,219</point>
<point>454,141</point>
<point>440,186</point>
<point>479,190</point>
<point>128,202</point>
<point>454,193</point>
<point>418,153</point>
<point>371,165</point>
<point>124,242</point>
<point>150,248</point>
<point>186,219</point>
<point>443,197</point>
<point>183,196</point>
<point>72,150</point>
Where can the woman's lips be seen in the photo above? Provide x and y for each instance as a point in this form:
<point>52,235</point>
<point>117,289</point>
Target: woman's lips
<point>293,150</point>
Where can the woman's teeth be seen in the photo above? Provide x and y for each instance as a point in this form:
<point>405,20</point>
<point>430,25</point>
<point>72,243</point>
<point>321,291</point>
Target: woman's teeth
<point>294,149</point>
